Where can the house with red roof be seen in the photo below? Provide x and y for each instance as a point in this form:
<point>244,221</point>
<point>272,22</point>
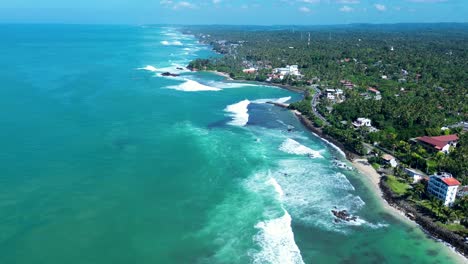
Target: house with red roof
<point>377,95</point>
<point>439,143</point>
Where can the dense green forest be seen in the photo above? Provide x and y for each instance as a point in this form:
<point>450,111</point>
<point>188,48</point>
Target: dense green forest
<point>419,69</point>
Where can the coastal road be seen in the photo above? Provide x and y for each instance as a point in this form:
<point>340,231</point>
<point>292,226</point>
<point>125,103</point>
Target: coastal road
<point>313,104</point>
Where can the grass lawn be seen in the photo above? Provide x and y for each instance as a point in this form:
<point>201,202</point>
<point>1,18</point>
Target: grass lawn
<point>455,228</point>
<point>397,186</point>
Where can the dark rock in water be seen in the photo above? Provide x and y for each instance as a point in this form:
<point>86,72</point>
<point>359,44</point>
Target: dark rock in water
<point>343,215</point>
<point>179,68</point>
<point>170,74</point>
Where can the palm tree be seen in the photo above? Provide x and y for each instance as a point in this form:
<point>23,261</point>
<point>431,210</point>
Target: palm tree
<point>418,190</point>
<point>437,206</point>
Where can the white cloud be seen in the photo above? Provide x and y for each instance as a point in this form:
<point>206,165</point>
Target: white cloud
<point>380,7</point>
<point>310,1</point>
<point>426,1</point>
<point>183,4</point>
<point>346,9</point>
<point>216,1</point>
<point>304,9</point>
<point>177,5</point>
<point>348,1</point>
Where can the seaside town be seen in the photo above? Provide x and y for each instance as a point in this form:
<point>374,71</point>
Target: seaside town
<point>404,120</point>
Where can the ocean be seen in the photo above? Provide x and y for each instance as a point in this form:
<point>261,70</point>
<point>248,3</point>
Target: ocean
<point>106,161</point>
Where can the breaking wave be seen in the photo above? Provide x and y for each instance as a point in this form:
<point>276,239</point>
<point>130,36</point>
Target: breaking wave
<point>239,113</point>
<point>276,240</point>
<point>192,86</point>
<point>171,43</point>
<point>291,146</point>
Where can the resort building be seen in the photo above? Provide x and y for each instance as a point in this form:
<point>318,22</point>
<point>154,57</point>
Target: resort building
<point>389,159</point>
<point>415,174</point>
<point>443,187</point>
<point>292,70</point>
<point>360,122</point>
<point>439,143</point>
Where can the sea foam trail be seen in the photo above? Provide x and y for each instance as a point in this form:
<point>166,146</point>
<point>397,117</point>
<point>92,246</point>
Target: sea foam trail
<point>276,240</point>
<point>276,237</point>
<point>239,113</point>
<point>192,86</point>
<point>171,43</point>
<point>293,147</point>
<point>275,100</point>
<point>149,68</point>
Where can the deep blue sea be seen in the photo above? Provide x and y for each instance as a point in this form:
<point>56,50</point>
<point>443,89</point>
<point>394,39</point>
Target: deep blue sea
<point>103,160</point>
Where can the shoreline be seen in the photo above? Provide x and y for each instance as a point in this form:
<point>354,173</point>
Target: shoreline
<point>222,74</point>
<point>372,179</point>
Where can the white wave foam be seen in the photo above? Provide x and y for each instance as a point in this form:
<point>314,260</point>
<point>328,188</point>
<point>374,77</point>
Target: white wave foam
<point>171,43</point>
<point>293,147</point>
<point>239,113</point>
<point>192,86</point>
<point>333,146</point>
<point>226,85</point>
<point>277,187</point>
<point>275,100</point>
<point>311,190</point>
<point>149,68</point>
<point>276,240</point>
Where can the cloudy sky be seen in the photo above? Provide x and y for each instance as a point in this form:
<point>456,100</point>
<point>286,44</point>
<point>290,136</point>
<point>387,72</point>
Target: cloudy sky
<point>254,12</point>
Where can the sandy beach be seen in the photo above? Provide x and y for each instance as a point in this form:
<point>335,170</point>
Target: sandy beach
<point>223,74</point>
<point>372,179</point>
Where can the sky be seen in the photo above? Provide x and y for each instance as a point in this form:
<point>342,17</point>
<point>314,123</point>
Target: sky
<point>235,12</point>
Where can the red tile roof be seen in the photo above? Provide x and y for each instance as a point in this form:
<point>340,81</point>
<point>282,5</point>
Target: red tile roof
<point>438,142</point>
<point>451,181</point>
<point>447,138</point>
<point>373,90</point>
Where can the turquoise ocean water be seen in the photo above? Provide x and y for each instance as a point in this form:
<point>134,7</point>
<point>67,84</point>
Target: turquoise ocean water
<point>105,161</point>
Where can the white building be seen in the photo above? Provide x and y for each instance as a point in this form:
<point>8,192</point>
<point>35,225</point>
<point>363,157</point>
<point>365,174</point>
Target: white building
<point>360,122</point>
<point>417,175</point>
<point>443,187</point>
<point>389,159</point>
<point>288,70</point>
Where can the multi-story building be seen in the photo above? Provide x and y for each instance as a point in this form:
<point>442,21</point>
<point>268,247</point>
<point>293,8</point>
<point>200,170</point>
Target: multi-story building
<point>443,187</point>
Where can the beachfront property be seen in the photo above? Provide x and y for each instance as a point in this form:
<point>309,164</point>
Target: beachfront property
<point>439,143</point>
<point>362,122</point>
<point>249,70</point>
<point>415,174</point>
<point>390,160</point>
<point>291,70</point>
<point>443,187</point>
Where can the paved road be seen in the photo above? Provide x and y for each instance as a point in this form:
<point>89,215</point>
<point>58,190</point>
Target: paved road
<point>314,103</point>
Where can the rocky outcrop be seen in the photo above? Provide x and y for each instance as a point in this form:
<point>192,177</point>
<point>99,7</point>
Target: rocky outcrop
<point>424,221</point>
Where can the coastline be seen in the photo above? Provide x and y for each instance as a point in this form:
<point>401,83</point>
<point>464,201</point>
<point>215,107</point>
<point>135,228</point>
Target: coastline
<point>222,74</point>
<point>372,179</point>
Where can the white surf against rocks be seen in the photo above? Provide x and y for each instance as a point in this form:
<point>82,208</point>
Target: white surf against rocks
<point>239,113</point>
<point>149,68</point>
<point>291,146</point>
